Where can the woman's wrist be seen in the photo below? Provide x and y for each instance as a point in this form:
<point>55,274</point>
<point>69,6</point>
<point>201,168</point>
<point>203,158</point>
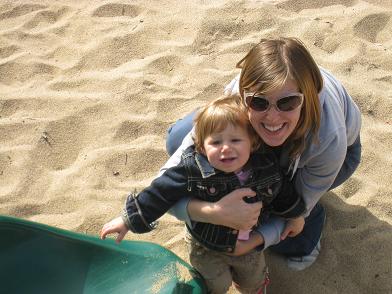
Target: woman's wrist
<point>256,238</point>
<point>202,211</point>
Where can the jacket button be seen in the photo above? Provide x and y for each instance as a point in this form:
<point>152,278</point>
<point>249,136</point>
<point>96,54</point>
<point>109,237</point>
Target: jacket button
<point>234,232</point>
<point>229,249</point>
<point>212,190</point>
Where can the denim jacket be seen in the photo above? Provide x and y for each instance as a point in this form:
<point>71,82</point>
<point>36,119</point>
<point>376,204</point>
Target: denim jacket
<point>195,177</point>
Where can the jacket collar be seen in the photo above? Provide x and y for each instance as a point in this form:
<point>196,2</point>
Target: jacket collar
<point>206,169</point>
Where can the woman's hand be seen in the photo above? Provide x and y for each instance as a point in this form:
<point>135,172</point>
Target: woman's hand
<point>116,225</point>
<point>243,247</point>
<point>230,211</point>
<point>293,227</point>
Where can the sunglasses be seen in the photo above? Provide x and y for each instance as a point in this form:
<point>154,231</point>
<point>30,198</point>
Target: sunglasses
<point>284,104</point>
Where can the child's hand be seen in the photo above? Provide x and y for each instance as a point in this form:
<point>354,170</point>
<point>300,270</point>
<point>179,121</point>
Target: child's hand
<point>116,225</point>
<point>243,247</point>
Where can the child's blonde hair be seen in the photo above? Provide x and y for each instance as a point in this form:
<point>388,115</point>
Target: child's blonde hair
<point>217,115</point>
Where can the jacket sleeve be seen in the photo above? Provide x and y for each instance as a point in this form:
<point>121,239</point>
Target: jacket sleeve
<point>154,201</point>
<point>288,203</point>
<point>179,210</point>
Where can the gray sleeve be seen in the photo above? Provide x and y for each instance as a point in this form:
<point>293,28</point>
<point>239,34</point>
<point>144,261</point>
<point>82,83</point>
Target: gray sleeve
<point>176,157</point>
<point>271,230</point>
<point>318,172</point>
<point>233,87</point>
<point>180,211</point>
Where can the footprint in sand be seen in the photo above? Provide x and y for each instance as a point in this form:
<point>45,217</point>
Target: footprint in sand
<point>135,164</point>
<point>369,26</point>
<point>13,72</point>
<point>9,107</point>
<point>21,10</point>
<point>46,17</point>
<point>297,6</point>
<point>165,65</point>
<point>59,145</point>
<point>7,51</point>
<point>114,51</point>
<point>117,9</point>
<point>131,130</point>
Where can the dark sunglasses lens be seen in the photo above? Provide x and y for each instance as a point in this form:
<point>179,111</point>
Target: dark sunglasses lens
<point>258,103</point>
<point>289,103</point>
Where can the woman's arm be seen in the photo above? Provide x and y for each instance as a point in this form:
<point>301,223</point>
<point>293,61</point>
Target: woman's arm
<point>230,211</point>
<point>319,167</point>
<point>267,234</point>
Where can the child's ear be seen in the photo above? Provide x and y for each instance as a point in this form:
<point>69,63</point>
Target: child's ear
<point>200,149</point>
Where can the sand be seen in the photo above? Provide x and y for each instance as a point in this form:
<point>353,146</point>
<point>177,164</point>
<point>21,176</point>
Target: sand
<point>88,89</point>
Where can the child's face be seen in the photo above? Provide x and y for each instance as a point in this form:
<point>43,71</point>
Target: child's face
<point>228,150</point>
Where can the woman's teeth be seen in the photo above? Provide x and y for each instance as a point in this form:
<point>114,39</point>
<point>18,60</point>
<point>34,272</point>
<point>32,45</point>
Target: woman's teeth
<point>273,128</point>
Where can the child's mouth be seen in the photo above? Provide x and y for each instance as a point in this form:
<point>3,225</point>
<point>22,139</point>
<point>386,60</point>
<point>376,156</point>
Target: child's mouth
<point>227,160</point>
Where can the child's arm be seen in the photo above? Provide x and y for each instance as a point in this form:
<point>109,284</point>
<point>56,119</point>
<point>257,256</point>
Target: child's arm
<point>154,201</point>
<point>116,225</point>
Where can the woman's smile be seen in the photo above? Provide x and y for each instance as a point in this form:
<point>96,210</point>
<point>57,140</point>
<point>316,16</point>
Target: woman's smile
<point>273,128</point>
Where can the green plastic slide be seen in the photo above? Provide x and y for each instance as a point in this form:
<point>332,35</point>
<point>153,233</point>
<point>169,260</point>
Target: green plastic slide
<point>36,258</point>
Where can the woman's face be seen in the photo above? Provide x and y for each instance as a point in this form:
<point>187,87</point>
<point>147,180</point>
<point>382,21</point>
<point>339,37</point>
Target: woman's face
<point>273,126</point>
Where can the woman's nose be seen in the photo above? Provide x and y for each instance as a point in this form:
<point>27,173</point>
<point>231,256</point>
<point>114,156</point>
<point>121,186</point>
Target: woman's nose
<point>272,111</point>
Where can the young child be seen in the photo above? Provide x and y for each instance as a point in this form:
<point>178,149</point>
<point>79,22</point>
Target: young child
<point>227,155</point>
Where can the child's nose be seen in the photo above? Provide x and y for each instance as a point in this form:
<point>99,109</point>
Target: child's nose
<point>225,147</point>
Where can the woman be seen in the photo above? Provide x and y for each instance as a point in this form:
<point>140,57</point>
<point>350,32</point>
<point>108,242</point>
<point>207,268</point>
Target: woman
<point>313,125</point>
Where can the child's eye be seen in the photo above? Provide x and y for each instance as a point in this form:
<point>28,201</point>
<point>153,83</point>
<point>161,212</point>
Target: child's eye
<point>236,140</point>
<point>216,142</point>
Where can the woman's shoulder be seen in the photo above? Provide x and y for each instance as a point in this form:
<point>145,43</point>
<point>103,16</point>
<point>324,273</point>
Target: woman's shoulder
<point>340,116</point>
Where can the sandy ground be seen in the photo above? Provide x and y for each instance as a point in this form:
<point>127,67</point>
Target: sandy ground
<point>88,89</point>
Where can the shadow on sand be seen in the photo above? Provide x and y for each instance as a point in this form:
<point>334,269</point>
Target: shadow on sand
<point>356,255</point>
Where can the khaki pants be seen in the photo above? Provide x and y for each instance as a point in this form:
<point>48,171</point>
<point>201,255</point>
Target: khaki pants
<point>220,269</point>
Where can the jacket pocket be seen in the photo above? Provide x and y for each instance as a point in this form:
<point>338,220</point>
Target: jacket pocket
<point>210,191</point>
<point>266,189</point>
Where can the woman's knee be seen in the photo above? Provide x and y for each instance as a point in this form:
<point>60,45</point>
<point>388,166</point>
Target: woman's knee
<point>177,132</point>
<point>354,153</point>
<point>350,164</point>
